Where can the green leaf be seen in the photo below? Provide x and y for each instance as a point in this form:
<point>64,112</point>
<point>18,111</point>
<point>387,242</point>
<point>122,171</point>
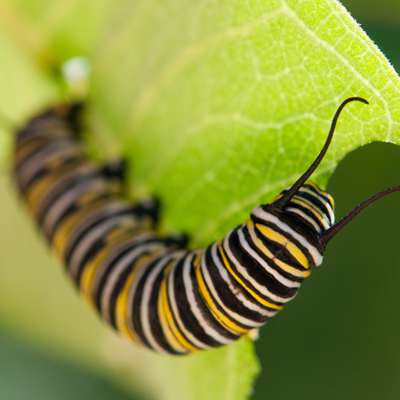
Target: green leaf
<point>53,31</point>
<point>224,105</point>
<point>231,112</point>
<point>218,106</point>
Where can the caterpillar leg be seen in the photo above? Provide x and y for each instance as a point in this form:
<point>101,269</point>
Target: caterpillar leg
<point>179,239</point>
<point>115,170</point>
<point>74,117</point>
<point>151,207</point>
<point>70,114</point>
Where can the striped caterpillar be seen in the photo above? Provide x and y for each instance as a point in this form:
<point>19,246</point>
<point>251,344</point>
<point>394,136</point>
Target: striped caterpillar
<point>152,288</point>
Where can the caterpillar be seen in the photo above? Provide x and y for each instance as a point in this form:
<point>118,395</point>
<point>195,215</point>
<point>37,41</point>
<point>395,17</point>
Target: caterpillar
<point>152,288</point>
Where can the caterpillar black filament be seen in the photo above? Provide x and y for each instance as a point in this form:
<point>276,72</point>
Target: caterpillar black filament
<point>151,288</point>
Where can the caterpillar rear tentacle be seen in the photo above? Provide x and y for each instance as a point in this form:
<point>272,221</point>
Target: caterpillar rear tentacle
<point>152,288</point>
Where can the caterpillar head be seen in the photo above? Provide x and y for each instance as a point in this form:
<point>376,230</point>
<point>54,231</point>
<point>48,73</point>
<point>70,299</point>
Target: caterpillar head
<point>303,220</point>
<point>293,232</point>
<point>302,217</point>
<point>310,207</point>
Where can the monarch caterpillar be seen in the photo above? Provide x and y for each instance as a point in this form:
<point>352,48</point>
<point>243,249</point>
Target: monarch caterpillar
<point>152,288</point>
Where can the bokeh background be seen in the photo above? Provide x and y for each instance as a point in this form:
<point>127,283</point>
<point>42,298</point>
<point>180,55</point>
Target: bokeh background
<point>338,340</point>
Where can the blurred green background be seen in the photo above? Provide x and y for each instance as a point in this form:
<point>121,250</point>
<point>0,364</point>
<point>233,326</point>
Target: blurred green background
<point>338,339</point>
